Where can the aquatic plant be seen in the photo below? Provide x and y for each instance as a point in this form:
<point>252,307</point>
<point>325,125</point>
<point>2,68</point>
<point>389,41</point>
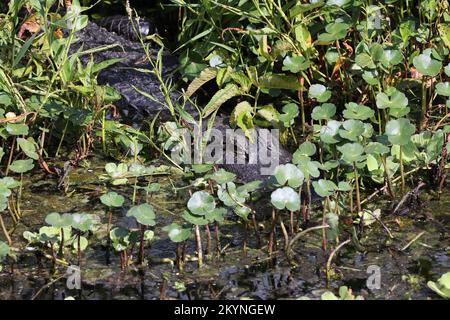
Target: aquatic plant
<point>442,286</point>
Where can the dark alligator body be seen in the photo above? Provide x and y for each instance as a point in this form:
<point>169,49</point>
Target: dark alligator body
<point>123,76</point>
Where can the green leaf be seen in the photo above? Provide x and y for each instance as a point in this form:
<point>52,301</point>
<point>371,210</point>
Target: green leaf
<point>9,182</point>
<point>442,287</point>
<point>82,222</point>
<point>201,203</point>
<point>399,131</point>
<point>324,188</point>
<point>334,31</point>
<point>443,89</point>
<point>307,149</point>
<point>364,60</point>
<point>17,129</point>
<point>391,58</point>
<point>290,112</point>
<point>319,92</point>
<point>376,148</point>
<point>83,243</point>
<point>220,97</point>
<point>351,152</point>
<point>176,233</point>
<point>285,198</point>
<point>372,163</point>
<point>143,213</point>
<point>391,99</point>
<point>28,146</point>
<point>352,130</point>
<point>290,174</point>
<point>295,64</point>
<point>59,221</point>
<point>324,112</point>
<point>447,70</point>
<point>116,171</point>
<point>112,199</point>
<point>279,81</point>
<point>216,215</point>
<point>371,77</point>
<point>199,220</point>
<point>21,166</point>
<point>358,112</point>
<point>427,65</point>
<point>221,176</point>
<point>242,117</point>
<point>344,186</point>
<point>204,76</point>
<point>4,250</point>
<point>329,132</point>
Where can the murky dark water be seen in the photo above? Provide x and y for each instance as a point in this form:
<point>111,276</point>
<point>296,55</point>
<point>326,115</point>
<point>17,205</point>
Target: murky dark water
<point>234,275</point>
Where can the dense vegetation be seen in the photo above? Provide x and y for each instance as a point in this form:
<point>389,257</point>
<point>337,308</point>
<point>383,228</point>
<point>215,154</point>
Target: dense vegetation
<point>359,89</point>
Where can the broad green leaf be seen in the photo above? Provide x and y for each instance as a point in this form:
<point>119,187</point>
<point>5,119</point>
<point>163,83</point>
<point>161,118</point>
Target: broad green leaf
<point>358,112</point>
<point>426,65</point>
<point>112,199</point>
<point>399,131</point>
<point>17,129</point>
<point>443,89</point>
<point>21,166</point>
<point>324,112</point>
<point>201,203</point>
<point>285,198</point>
<point>290,174</point>
<point>143,213</point>
<point>295,64</point>
<point>351,152</point>
<point>324,188</point>
<point>177,233</point>
<point>319,92</point>
<point>28,147</point>
<point>59,221</point>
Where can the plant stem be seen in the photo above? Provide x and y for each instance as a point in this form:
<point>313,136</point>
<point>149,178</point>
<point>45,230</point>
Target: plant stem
<point>358,197</point>
<point>141,248</point>
<point>61,246</point>
<point>402,173</point>
<point>62,138</point>
<point>332,255</point>
<point>104,131</point>
<point>285,235</point>
<point>79,248</point>
<point>217,235</point>
<point>5,232</point>
<point>272,233</point>
<point>10,156</point>
<point>108,241</point>
<point>198,240</point>
<point>424,103</point>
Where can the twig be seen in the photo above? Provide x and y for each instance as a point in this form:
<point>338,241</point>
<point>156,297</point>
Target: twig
<point>47,286</point>
<point>384,188</point>
<point>382,224</point>
<point>330,258</point>
<point>412,241</point>
<point>300,234</point>
<point>5,232</point>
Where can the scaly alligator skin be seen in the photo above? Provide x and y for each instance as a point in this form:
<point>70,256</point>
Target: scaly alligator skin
<point>122,26</point>
<point>122,76</point>
<point>133,106</point>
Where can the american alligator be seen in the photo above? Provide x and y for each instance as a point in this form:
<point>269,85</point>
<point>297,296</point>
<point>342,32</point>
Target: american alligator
<point>124,77</point>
